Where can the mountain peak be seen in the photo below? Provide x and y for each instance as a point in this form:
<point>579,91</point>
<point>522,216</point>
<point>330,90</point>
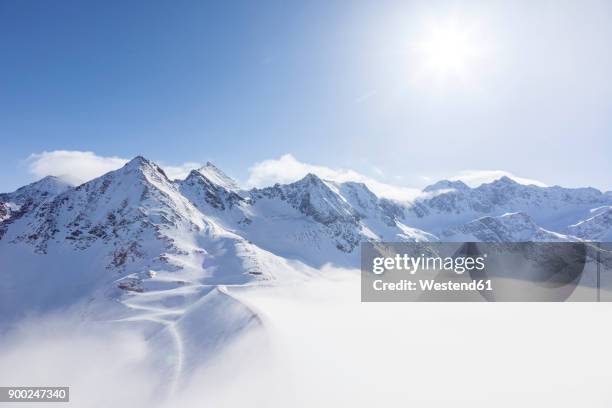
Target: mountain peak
<point>194,174</point>
<point>447,185</point>
<point>49,179</point>
<point>218,177</point>
<point>27,198</point>
<point>46,186</point>
<point>505,180</point>
<point>52,183</point>
<point>137,161</point>
<point>311,179</point>
<point>143,165</point>
<point>510,218</point>
<point>508,227</point>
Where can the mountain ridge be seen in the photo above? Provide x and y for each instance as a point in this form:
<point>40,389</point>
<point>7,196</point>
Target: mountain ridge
<point>134,246</point>
<point>445,204</point>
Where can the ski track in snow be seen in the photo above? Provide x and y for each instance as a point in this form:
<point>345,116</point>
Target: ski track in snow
<point>166,317</point>
<point>211,232</point>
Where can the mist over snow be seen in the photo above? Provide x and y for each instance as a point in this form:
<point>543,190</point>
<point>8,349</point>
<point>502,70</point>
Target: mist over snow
<point>186,189</point>
<point>322,347</point>
<point>287,169</point>
<point>78,167</point>
<point>196,291</point>
<point>475,178</point>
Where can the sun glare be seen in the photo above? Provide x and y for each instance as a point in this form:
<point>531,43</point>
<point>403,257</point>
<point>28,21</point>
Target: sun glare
<point>448,50</point>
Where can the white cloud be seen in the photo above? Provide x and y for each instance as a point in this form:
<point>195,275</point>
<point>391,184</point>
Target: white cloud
<point>78,167</point>
<point>378,171</point>
<point>60,349</point>
<point>72,165</point>
<point>181,171</point>
<point>474,178</point>
<point>288,169</point>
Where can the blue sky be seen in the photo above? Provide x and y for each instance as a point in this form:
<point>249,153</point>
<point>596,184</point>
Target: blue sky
<point>334,84</point>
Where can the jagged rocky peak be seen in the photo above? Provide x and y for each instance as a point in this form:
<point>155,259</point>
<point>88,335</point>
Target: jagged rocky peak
<point>504,224</point>
<point>307,182</point>
<point>447,185</point>
<point>5,211</point>
<point>137,162</point>
<point>46,187</point>
<point>317,199</point>
<point>516,218</point>
<point>310,196</point>
<point>27,198</point>
<point>460,186</point>
<point>136,179</point>
<point>358,195</point>
<point>510,227</point>
<point>141,165</point>
<point>128,210</point>
<point>201,191</point>
<point>596,228</point>
<point>140,184</point>
<point>217,176</point>
<point>553,207</point>
<point>51,184</point>
<point>504,180</point>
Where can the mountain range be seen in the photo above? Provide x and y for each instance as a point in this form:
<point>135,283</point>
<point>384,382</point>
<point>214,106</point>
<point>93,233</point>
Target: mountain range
<point>135,246</point>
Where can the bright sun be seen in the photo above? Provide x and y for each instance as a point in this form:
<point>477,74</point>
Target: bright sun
<point>448,50</point>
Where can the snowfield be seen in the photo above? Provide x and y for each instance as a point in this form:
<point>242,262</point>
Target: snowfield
<point>315,344</point>
<point>195,291</point>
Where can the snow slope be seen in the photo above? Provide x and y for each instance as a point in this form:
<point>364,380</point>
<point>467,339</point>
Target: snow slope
<point>169,256</point>
<point>218,177</point>
<point>127,247</point>
<point>451,204</point>
<point>511,227</point>
<point>596,228</point>
<point>133,231</point>
<point>27,198</point>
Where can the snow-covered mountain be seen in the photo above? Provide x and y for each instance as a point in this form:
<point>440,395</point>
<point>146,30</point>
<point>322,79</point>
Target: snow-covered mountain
<point>596,228</point>
<point>218,177</point>
<point>311,220</point>
<point>134,230</point>
<point>27,198</point>
<point>37,192</point>
<point>323,221</point>
<point>128,232</point>
<point>138,220</point>
<point>206,194</point>
<point>449,204</point>
<point>511,227</point>
<point>5,211</point>
<point>134,246</point>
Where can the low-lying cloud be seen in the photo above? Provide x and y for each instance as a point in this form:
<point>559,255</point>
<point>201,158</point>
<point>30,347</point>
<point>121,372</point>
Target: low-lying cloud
<point>102,367</point>
<point>474,178</point>
<point>287,169</point>
<point>73,166</point>
<point>78,167</point>
<point>323,347</point>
